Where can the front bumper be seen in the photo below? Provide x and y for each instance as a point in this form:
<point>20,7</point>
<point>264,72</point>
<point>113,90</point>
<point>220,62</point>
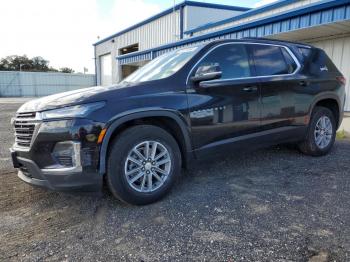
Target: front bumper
<point>59,179</point>
<point>39,165</point>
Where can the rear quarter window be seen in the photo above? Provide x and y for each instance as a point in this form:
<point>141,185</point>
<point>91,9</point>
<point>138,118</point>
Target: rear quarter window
<point>318,61</point>
<point>326,64</point>
<point>305,52</point>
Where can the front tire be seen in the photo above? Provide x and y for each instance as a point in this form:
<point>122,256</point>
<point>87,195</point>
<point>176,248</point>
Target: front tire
<point>143,164</point>
<point>321,133</point>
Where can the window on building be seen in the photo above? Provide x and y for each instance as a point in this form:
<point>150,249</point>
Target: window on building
<point>233,60</point>
<point>272,60</point>
<point>106,69</point>
<point>129,49</point>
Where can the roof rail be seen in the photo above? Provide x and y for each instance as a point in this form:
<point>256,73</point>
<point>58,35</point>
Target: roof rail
<point>276,40</point>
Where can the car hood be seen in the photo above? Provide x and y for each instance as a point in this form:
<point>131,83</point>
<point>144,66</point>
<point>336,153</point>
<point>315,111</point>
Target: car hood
<point>79,96</point>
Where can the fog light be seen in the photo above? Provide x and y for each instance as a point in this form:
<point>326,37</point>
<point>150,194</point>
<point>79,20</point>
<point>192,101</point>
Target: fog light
<point>67,154</point>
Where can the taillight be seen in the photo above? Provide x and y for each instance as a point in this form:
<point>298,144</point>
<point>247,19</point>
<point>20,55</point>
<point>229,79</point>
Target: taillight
<point>341,79</point>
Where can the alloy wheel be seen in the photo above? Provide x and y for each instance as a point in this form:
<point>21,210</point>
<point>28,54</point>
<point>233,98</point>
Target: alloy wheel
<point>323,132</point>
<point>147,166</point>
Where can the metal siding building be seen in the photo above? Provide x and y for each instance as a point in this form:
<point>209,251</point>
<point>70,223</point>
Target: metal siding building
<point>323,23</point>
<point>164,28</point>
<point>254,14</point>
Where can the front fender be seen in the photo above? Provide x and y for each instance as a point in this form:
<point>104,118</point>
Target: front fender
<point>138,114</point>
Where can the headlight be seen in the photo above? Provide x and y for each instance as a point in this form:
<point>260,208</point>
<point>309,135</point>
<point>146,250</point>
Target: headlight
<point>72,111</point>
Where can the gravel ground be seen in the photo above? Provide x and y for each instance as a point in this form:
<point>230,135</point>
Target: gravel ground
<point>269,205</point>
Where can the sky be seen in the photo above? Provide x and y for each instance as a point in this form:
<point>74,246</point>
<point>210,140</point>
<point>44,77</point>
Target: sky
<point>63,31</point>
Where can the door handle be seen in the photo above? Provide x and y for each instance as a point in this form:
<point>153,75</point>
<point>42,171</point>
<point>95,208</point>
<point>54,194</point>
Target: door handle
<point>303,83</point>
<point>250,89</point>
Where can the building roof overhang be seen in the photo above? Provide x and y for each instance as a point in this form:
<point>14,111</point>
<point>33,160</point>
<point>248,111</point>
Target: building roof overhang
<point>170,10</point>
<point>313,15</point>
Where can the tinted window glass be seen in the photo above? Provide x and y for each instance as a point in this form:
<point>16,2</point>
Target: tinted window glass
<point>269,60</point>
<point>163,66</point>
<point>232,59</point>
<point>317,62</point>
<point>292,66</point>
<point>305,51</point>
<point>323,62</point>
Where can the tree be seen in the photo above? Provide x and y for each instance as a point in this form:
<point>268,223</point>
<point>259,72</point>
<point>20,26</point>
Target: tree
<point>66,70</point>
<point>15,63</point>
<point>35,64</point>
<point>40,64</point>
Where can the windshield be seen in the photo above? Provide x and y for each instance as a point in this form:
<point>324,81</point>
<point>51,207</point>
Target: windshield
<point>163,66</point>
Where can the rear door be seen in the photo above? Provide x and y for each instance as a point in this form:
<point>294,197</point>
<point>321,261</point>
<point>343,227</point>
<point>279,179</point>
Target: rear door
<point>282,88</point>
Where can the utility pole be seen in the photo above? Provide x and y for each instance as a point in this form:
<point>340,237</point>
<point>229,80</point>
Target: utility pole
<point>19,79</point>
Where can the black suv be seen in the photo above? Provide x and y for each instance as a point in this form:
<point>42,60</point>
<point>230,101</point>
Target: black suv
<point>205,99</point>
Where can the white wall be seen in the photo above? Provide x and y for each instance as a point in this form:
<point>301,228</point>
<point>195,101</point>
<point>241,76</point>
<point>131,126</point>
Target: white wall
<point>195,16</point>
<point>338,49</point>
<point>161,31</point>
<point>101,50</point>
<point>106,69</point>
<point>258,16</point>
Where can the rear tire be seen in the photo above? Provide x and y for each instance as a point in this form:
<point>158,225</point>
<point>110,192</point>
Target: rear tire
<point>143,164</point>
<point>321,133</point>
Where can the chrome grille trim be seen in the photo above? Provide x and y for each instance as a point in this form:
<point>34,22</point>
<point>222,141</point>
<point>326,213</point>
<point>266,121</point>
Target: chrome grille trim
<point>26,126</point>
<point>26,115</point>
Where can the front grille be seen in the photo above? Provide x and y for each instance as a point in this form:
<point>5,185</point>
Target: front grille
<point>30,115</point>
<point>24,128</point>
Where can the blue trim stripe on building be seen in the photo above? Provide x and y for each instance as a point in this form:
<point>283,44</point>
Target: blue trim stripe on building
<point>319,13</point>
<point>169,11</point>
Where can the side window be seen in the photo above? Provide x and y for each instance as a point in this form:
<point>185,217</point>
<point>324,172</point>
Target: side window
<point>233,60</point>
<point>292,66</point>
<point>272,60</point>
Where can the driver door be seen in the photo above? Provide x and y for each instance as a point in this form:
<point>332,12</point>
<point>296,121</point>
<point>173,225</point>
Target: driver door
<point>225,110</point>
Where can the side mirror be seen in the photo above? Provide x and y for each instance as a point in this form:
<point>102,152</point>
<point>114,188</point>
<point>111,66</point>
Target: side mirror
<point>207,72</point>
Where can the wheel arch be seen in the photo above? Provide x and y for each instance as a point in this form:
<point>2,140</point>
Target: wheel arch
<point>330,101</point>
<point>170,120</point>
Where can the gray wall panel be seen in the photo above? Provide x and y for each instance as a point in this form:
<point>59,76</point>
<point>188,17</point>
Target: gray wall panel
<point>41,84</point>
